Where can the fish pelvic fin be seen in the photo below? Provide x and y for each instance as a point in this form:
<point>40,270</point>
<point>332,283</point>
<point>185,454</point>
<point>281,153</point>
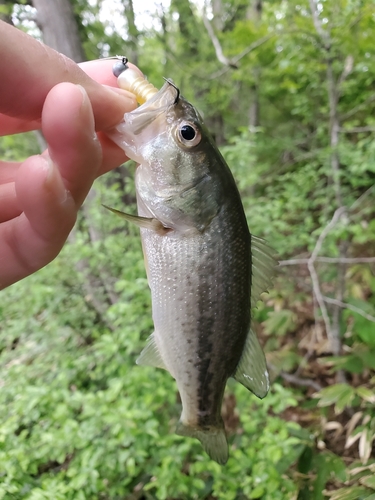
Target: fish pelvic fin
<point>150,356</point>
<point>263,264</point>
<point>143,222</point>
<point>213,439</point>
<point>252,370</point>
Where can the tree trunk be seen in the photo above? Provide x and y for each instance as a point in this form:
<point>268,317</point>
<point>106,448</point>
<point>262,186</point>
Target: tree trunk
<point>59,27</point>
<point>255,13</point>
<point>217,11</point>
<point>133,33</point>
<point>187,25</point>
<point>255,10</point>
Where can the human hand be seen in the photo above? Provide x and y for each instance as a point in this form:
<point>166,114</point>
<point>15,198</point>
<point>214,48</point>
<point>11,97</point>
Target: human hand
<point>40,197</point>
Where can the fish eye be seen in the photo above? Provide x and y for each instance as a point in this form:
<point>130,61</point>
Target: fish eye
<point>188,134</point>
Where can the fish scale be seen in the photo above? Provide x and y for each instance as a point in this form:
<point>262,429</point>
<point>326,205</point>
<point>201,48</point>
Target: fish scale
<point>204,268</point>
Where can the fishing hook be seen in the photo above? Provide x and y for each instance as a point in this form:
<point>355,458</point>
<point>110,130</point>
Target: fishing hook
<point>176,88</point>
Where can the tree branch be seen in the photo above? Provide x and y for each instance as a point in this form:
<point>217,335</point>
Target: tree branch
<point>362,197</point>
<point>357,130</point>
<point>336,217</point>
<point>329,260</point>
<point>335,343</point>
<point>303,382</point>
<point>215,42</point>
<point>345,305</point>
<point>323,34</point>
<point>348,68</point>
<point>242,54</point>
<point>354,110</point>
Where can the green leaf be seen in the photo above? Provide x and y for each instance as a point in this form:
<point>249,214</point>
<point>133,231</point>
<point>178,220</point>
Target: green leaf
<point>354,493</point>
<point>339,394</point>
<point>280,322</point>
<point>368,481</point>
<point>366,394</point>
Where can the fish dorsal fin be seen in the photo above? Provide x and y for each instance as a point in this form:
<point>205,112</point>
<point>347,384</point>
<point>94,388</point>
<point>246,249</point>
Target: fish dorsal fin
<point>145,222</point>
<point>150,356</point>
<point>263,268</point>
<point>252,369</point>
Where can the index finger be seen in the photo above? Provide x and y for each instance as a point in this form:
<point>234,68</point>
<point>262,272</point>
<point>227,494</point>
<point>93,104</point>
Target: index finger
<point>33,69</point>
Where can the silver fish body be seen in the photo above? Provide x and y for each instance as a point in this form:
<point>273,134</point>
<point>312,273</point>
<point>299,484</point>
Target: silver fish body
<point>205,270</point>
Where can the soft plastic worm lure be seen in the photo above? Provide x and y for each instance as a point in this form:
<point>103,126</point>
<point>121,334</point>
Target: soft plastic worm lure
<point>129,79</point>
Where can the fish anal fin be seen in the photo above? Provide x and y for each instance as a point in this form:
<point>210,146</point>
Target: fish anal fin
<point>143,222</point>
<point>262,269</point>
<point>252,370</point>
<point>150,356</point>
<point>214,440</point>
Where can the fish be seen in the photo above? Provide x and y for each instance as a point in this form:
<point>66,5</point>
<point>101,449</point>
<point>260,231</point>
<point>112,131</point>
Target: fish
<point>206,271</point>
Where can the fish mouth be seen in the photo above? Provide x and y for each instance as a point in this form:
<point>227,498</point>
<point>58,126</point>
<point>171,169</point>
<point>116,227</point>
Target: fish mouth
<point>159,104</point>
<point>135,130</point>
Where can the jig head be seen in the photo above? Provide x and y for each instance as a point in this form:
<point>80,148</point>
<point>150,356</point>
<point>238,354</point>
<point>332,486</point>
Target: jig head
<point>129,79</point>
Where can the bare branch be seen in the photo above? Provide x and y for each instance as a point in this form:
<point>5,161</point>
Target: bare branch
<point>325,38</point>
<point>357,130</point>
<point>358,107</point>
<point>329,260</point>
<point>315,280</point>
<point>253,46</point>
<point>319,297</point>
<point>294,379</point>
<point>242,54</point>
<point>336,217</point>
<point>348,68</point>
<point>215,42</point>
<point>339,294</point>
<point>345,305</point>
<point>362,197</point>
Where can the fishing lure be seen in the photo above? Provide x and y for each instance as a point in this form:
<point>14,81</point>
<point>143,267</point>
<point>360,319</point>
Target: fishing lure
<point>130,80</point>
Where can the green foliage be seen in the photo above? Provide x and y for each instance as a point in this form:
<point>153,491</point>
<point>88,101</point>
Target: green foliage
<point>78,419</point>
<point>18,147</point>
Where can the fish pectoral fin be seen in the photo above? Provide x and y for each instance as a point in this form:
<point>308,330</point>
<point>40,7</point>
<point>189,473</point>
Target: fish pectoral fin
<point>144,222</point>
<point>252,369</point>
<point>150,356</point>
<point>214,440</point>
<point>262,268</point>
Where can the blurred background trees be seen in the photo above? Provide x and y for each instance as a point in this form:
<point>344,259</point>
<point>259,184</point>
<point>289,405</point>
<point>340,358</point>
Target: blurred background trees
<point>287,89</point>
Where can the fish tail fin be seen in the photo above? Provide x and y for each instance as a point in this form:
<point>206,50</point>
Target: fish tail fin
<point>214,440</point>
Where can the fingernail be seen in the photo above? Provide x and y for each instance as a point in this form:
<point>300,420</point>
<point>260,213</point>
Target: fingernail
<point>54,183</point>
<point>87,113</point>
<point>85,97</point>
